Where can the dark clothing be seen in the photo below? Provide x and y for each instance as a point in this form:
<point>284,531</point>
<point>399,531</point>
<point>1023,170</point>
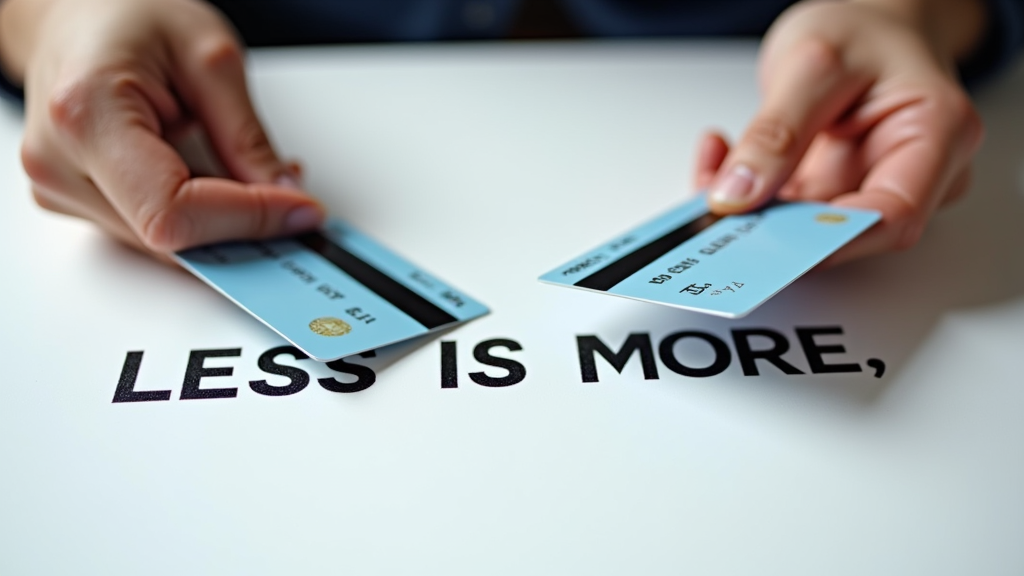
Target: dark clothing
<point>280,22</point>
<point>285,22</point>
<point>290,22</point>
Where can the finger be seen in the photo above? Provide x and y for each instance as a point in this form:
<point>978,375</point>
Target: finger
<point>53,202</point>
<point>711,151</point>
<point>206,210</point>
<point>810,91</point>
<point>45,164</point>
<point>57,183</point>
<point>170,211</point>
<point>149,185</point>
<point>906,187</point>
<point>891,231</point>
<point>212,83</point>
<point>831,166</point>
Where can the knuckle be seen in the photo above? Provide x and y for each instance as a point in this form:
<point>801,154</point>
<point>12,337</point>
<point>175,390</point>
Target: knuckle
<point>261,221</point>
<point>957,103</point>
<point>906,221</point>
<point>220,53</point>
<point>805,21</point>
<point>123,84</point>
<point>176,179</point>
<point>156,230</point>
<point>819,54</point>
<point>77,105</point>
<point>45,200</point>
<point>71,107</point>
<point>167,228</point>
<point>252,141</point>
<point>771,135</point>
<point>38,164</point>
<point>957,106</point>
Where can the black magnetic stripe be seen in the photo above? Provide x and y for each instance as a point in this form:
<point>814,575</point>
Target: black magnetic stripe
<point>417,307</point>
<point>629,264</point>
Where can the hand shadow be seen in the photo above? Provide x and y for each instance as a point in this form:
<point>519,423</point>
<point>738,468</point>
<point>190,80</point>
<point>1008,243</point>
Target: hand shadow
<point>969,262</point>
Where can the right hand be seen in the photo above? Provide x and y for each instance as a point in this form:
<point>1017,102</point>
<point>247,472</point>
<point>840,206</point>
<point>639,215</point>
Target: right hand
<point>108,86</point>
<point>862,109</point>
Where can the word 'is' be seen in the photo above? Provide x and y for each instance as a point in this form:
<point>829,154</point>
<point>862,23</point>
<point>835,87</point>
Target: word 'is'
<point>748,348</point>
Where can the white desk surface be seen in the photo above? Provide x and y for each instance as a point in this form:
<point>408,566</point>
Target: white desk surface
<point>489,164</point>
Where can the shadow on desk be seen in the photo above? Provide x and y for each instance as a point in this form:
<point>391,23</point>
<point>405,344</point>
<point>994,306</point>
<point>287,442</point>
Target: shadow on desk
<point>970,263</point>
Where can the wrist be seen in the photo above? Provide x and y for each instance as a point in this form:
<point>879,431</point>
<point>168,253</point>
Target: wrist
<point>954,29</point>
<point>20,23</point>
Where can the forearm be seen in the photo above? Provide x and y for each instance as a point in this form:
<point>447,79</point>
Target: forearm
<point>953,28</point>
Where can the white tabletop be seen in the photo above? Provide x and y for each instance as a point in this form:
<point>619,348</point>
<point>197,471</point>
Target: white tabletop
<point>490,164</point>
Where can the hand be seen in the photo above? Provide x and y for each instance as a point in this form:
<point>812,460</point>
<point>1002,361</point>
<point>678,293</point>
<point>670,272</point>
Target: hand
<point>861,107</point>
<point>108,86</point>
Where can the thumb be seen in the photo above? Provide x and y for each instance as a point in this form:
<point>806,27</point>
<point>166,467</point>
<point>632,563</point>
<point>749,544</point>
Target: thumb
<point>807,91</point>
<point>215,90</point>
<point>148,184</point>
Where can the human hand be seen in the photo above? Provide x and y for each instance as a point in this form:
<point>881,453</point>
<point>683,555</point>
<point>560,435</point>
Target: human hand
<point>109,84</point>
<point>861,107</point>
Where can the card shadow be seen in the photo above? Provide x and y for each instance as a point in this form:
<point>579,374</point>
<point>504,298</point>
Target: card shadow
<point>384,357</point>
<point>967,263</point>
<point>107,250</point>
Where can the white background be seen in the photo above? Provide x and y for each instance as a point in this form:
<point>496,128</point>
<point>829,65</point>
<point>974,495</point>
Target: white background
<point>489,164</point>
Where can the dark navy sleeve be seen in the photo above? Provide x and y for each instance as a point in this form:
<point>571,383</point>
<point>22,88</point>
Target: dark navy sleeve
<point>637,18</point>
<point>10,92</point>
<point>290,22</point>
<point>1002,42</point>
<point>278,22</point>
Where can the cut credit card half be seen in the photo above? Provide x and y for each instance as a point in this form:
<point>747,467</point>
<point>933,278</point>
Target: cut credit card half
<point>727,266</point>
<point>332,293</point>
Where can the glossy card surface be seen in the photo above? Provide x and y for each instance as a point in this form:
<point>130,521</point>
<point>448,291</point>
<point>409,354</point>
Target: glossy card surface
<point>726,266</point>
<point>332,293</point>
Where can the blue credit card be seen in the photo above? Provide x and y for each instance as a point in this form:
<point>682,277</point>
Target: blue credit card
<point>332,293</point>
<point>727,266</point>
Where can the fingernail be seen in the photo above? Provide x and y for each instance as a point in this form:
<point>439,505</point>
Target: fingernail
<point>302,219</point>
<point>735,187</point>
<point>288,181</point>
